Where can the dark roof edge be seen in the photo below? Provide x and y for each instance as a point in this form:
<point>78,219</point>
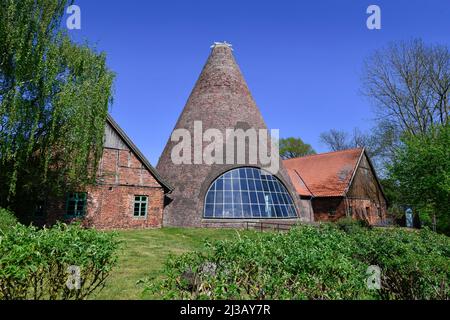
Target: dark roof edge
<point>355,169</point>
<point>374,172</point>
<point>376,176</point>
<point>304,182</point>
<point>168,188</point>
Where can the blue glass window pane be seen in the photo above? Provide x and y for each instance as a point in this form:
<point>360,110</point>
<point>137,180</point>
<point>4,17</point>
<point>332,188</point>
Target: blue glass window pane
<point>248,193</point>
<point>253,197</point>
<point>209,210</point>
<point>279,214</point>
<point>246,210</point>
<point>262,208</point>
<point>219,196</point>
<point>228,210</point>
<point>244,185</point>
<point>236,184</point>
<point>210,197</point>
<point>278,186</point>
<point>245,197</point>
<point>237,210</point>
<point>261,197</point>
<point>265,186</point>
<point>218,211</point>
<point>228,197</point>
<point>219,184</point>
<point>284,211</point>
<point>237,197</point>
<point>275,198</point>
<point>255,211</point>
<point>290,210</point>
<point>258,185</point>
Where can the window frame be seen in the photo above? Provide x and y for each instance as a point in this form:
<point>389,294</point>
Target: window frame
<point>280,200</point>
<point>75,196</point>
<point>140,203</point>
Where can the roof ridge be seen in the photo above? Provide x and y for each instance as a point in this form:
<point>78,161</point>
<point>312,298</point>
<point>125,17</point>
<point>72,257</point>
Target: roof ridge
<point>325,153</point>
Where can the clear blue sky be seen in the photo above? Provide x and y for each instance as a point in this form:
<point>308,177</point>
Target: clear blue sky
<point>301,59</point>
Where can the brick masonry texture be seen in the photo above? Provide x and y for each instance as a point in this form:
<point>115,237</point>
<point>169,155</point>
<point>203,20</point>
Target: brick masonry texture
<point>221,100</point>
<point>110,203</point>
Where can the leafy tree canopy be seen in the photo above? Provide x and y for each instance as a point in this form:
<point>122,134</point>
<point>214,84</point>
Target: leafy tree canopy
<point>422,170</point>
<point>54,98</point>
<point>294,148</point>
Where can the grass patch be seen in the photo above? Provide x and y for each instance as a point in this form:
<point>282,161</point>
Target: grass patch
<point>144,253</point>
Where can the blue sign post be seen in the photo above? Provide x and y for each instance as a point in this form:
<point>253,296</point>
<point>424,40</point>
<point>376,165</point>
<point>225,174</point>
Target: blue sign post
<point>409,218</point>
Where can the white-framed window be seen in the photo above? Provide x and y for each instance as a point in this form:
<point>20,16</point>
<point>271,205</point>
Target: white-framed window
<point>140,206</point>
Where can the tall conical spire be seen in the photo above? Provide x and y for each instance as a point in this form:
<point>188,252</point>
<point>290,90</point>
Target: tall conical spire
<point>220,100</point>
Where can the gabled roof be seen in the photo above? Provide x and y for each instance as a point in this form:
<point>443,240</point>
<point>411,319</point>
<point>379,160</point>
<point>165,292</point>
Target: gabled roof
<point>138,153</point>
<point>325,175</point>
<point>298,183</point>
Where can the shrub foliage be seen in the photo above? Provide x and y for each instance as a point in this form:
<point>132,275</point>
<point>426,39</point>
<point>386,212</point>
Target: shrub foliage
<point>327,262</point>
<point>7,220</point>
<point>34,264</point>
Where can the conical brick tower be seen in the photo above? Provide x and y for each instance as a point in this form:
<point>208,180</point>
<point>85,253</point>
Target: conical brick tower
<point>220,100</point>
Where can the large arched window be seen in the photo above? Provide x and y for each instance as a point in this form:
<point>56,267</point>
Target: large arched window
<point>248,193</point>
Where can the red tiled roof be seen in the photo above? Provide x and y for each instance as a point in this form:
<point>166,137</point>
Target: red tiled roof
<point>324,175</point>
<point>298,183</point>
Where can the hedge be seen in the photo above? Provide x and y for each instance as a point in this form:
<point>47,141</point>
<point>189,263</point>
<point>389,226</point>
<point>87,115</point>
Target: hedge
<point>326,262</point>
<point>7,220</point>
<point>47,263</point>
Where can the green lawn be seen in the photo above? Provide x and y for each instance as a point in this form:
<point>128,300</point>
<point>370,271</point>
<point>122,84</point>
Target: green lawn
<point>144,253</point>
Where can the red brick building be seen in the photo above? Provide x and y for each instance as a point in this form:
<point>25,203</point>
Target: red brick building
<point>129,193</point>
<point>225,194</point>
<point>339,184</point>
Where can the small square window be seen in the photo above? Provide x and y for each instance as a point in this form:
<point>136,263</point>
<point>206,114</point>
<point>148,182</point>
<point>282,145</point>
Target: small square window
<point>140,206</point>
<point>76,204</point>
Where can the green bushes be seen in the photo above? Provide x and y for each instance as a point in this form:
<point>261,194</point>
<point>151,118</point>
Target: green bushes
<point>46,264</point>
<point>327,262</point>
<point>7,220</point>
<point>414,264</point>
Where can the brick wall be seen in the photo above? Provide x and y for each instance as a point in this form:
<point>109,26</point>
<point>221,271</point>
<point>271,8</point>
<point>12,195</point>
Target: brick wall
<point>360,209</point>
<point>323,206</point>
<point>110,202</point>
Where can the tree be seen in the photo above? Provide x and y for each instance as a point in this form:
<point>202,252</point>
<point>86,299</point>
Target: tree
<point>421,168</point>
<point>54,98</point>
<point>294,148</point>
<point>409,84</point>
<point>335,140</point>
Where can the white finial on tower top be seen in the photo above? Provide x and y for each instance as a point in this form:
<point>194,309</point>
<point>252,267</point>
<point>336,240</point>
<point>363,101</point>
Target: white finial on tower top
<point>222,44</point>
